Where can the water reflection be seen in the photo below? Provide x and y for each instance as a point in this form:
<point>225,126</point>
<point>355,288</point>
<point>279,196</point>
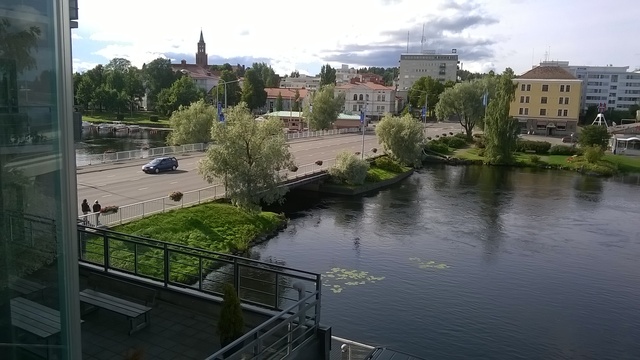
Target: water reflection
<point>588,188</point>
<point>97,141</point>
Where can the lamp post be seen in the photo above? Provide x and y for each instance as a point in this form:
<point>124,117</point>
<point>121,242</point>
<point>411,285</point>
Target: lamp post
<point>225,89</point>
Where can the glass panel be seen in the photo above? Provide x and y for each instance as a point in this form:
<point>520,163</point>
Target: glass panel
<point>38,274</point>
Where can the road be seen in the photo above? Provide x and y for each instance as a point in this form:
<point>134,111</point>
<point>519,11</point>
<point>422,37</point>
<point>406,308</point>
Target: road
<point>123,184</point>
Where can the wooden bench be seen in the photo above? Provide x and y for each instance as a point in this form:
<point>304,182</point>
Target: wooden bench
<point>127,308</point>
<point>37,319</point>
<point>25,287</point>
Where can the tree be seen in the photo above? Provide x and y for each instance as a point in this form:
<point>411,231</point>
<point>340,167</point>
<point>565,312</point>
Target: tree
<point>594,135</point>
<point>349,168</point>
<point>192,124</point>
<point>248,154</point>
<point>182,92</point>
<point>501,131</point>
<point>327,75</point>
<point>17,45</point>
<point>402,138</point>
<point>234,92</point>
<point>231,320</point>
<point>326,108</point>
<point>388,74</point>
<point>295,74</point>
<point>253,93</point>
<point>464,101</point>
<point>426,87</point>
<point>297,102</point>
<point>269,77</point>
<point>279,104</point>
<point>157,75</point>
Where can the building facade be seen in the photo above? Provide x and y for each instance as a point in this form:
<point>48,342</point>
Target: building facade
<point>378,100</point>
<point>344,74</point>
<point>547,101</point>
<point>613,86</point>
<point>442,67</point>
<point>38,198</point>
<point>288,99</point>
<point>199,72</point>
<point>302,82</point>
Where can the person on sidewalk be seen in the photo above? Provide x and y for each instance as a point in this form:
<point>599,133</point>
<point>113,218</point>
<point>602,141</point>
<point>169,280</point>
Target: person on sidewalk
<point>96,209</point>
<point>85,207</point>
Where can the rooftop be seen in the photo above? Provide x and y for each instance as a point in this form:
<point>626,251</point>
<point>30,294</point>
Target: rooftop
<point>364,86</point>
<point>193,70</point>
<point>285,92</point>
<point>547,73</point>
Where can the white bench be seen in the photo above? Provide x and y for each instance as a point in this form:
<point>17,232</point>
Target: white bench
<point>127,308</point>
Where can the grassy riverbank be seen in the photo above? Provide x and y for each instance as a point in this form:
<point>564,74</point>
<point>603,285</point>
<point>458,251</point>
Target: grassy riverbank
<point>136,118</point>
<point>609,164</point>
<point>212,226</point>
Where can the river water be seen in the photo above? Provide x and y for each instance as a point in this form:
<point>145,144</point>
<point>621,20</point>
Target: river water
<point>96,141</point>
<point>477,263</point>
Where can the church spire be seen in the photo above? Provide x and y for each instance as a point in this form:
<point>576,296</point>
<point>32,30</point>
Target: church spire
<point>201,37</point>
<point>201,55</point>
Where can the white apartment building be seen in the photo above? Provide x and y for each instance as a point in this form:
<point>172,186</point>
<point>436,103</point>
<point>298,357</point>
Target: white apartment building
<point>344,74</point>
<point>378,99</point>
<point>302,82</point>
<point>442,67</point>
<point>614,86</point>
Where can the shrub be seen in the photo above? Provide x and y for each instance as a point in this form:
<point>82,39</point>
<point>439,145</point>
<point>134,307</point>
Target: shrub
<point>349,169</point>
<point>478,136</point>
<point>437,147</point>
<point>176,196</point>
<point>444,135</point>
<point>450,133</point>
<point>445,140</point>
<point>535,159</point>
<point>319,162</point>
<point>231,320</point>
<point>539,147</point>
<point>386,163</point>
<point>154,118</point>
<point>562,150</point>
<point>462,136</point>
<point>120,117</point>
<point>374,150</point>
<point>481,152</point>
<point>457,143</point>
<point>293,168</point>
<point>480,144</point>
<point>593,154</point>
<point>373,177</point>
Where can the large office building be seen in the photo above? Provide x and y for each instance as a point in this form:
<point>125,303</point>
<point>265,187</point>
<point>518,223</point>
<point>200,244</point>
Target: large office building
<point>442,67</point>
<point>615,87</point>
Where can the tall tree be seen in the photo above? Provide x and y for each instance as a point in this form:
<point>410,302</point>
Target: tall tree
<point>297,101</point>
<point>463,101</point>
<point>326,108</point>
<point>249,155</point>
<point>157,75</point>
<point>594,135</point>
<point>327,75</point>
<point>295,74</point>
<point>192,124</point>
<point>183,92</point>
<point>266,73</point>
<point>18,45</point>
<point>402,138</point>
<point>388,74</point>
<point>501,131</point>
<point>234,92</point>
<point>118,64</point>
<point>279,102</point>
<point>253,93</point>
<point>425,88</point>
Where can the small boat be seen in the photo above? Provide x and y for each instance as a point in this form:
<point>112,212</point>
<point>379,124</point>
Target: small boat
<point>134,127</point>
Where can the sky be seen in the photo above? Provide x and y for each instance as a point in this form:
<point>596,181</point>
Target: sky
<point>303,35</point>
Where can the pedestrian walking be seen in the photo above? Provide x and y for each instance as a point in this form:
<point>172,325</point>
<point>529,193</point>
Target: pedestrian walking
<point>85,207</point>
<point>96,209</point>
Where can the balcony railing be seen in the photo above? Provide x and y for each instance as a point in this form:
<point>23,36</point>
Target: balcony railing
<point>263,284</point>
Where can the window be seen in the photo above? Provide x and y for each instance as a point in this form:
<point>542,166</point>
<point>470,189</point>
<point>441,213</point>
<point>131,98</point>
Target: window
<point>560,100</point>
<point>521,99</point>
<point>568,88</point>
<point>545,87</point>
<point>528,87</point>
<point>521,111</point>
<point>561,88</point>
<point>543,100</point>
<point>378,97</point>
<point>384,97</point>
<point>382,108</point>
<point>565,112</point>
<point>522,87</point>
<point>543,112</point>
<point>360,107</point>
<point>360,97</point>
<point>561,127</point>
<point>355,107</point>
<point>526,99</point>
<point>566,101</point>
<point>367,97</point>
<point>559,112</point>
<point>526,111</point>
<point>541,126</point>
<point>355,97</point>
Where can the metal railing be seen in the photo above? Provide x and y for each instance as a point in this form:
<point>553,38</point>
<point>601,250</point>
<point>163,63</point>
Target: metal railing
<point>189,198</point>
<point>93,159</point>
<point>262,284</point>
<point>279,336</point>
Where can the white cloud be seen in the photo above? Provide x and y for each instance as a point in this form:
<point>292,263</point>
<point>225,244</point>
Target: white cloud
<point>82,66</point>
<point>75,36</point>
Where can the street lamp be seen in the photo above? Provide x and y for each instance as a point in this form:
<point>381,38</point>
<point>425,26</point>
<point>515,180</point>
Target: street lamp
<point>225,89</point>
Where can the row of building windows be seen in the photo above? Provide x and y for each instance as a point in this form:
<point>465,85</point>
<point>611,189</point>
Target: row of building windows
<point>543,112</point>
<point>543,100</point>
<point>380,97</point>
<point>545,88</point>
<point>379,108</point>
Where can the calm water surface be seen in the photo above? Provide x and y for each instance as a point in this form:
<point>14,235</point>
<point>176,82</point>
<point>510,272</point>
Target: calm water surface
<point>480,263</point>
<point>96,141</point>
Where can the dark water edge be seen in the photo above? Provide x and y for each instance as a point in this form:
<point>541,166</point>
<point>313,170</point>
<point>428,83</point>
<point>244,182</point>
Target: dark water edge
<point>478,262</point>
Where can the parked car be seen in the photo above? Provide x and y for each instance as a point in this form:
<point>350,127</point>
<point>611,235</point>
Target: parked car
<point>160,164</point>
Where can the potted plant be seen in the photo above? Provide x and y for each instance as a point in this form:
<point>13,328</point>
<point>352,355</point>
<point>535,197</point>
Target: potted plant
<point>176,196</point>
<point>374,150</point>
<point>293,168</point>
<point>111,209</point>
<point>319,162</point>
<point>231,320</point>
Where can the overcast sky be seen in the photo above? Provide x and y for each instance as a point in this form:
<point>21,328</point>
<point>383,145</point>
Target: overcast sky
<point>302,35</point>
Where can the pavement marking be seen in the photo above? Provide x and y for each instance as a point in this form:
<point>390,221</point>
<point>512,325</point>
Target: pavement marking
<point>173,182</point>
<point>142,189</point>
<point>106,195</point>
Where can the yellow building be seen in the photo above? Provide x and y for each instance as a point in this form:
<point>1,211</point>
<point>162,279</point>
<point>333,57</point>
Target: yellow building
<point>547,101</point>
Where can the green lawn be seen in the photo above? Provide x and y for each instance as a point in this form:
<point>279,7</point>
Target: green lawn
<point>137,118</point>
<point>212,226</point>
<point>376,174</point>
<point>468,154</point>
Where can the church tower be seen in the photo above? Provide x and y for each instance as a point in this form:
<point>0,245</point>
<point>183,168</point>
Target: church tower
<point>201,55</point>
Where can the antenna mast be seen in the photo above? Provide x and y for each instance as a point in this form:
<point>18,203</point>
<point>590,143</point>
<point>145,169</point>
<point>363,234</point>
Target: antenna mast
<point>407,42</point>
<point>422,40</point>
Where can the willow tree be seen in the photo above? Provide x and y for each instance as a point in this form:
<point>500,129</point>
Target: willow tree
<point>192,124</point>
<point>402,138</point>
<point>463,101</point>
<point>500,130</point>
<point>326,108</point>
<point>248,155</point>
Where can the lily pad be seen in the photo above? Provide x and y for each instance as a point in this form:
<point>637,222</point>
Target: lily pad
<point>336,278</point>
<point>428,264</point>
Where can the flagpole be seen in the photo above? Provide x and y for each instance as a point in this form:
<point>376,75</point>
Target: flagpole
<point>363,115</point>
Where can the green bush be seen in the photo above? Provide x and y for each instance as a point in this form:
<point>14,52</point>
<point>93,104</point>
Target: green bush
<point>119,117</point>
<point>457,143</point>
<point>231,319</point>
<point>462,136</point>
<point>438,147</point>
<point>386,163</point>
<point>593,154</point>
<point>599,169</point>
<point>349,169</point>
<point>373,177</point>
<point>154,118</point>
<point>481,152</point>
<point>480,144</point>
<point>445,140</point>
<point>563,150</point>
<point>535,159</point>
<point>539,147</point>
